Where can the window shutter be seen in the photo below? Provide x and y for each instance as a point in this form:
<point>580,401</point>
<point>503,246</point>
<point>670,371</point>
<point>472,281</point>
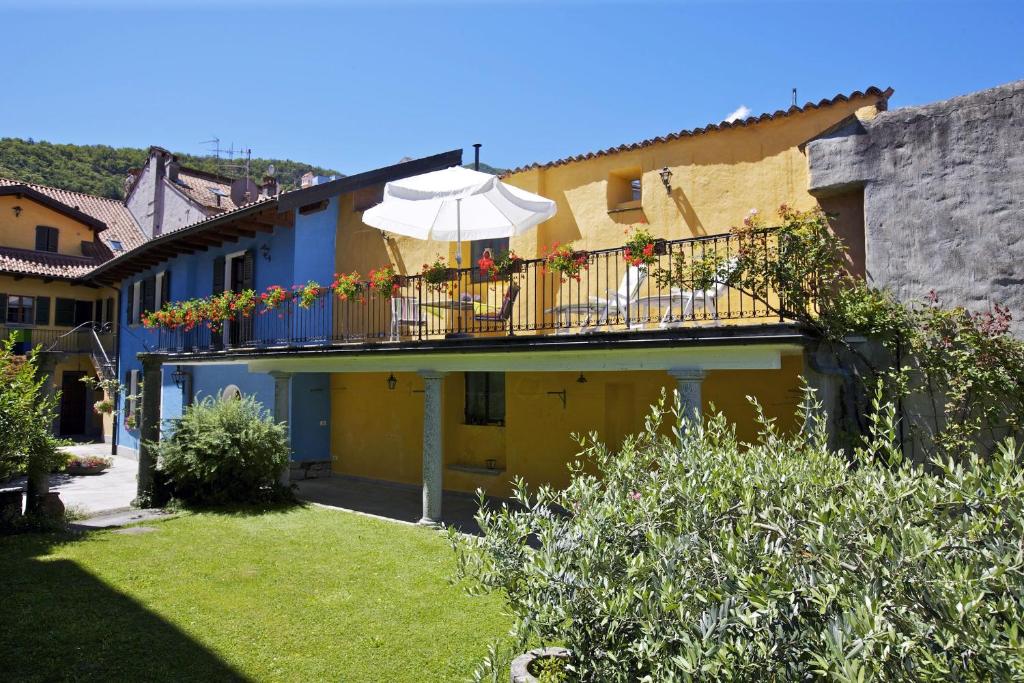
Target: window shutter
<point>248,278</point>
<point>65,312</point>
<point>131,303</point>
<point>40,238</point>
<point>148,293</point>
<point>110,312</point>
<point>218,275</point>
<point>3,308</point>
<point>83,312</point>
<point>165,288</point>
<point>52,239</point>
<point>42,310</point>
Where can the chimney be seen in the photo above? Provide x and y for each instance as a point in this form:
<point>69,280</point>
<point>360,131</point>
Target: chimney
<point>476,156</point>
<point>172,170</point>
<point>269,186</point>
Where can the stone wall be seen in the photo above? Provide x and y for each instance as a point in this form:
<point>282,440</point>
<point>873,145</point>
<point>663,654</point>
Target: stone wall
<point>943,188</point>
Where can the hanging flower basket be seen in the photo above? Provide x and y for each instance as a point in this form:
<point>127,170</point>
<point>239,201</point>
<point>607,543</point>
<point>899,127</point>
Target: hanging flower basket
<point>501,267</point>
<point>385,282</point>
<point>566,261</point>
<point>641,249</point>
<point>103,407</point>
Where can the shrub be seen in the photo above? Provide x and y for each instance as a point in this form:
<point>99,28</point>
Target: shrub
<point>696,556</point>
<point>224,451</point>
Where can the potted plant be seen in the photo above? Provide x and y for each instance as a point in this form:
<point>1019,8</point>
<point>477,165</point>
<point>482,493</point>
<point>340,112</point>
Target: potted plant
<point>308,293</point>
<point>566,261</point>
<point>348,286</point>
<point>87,465</point>
<point>273,297</point>
<point>103,407</point>
<point>438,274</point>
<point>642,249</point>
<point>385,281</point>
<point>541,665</point>
<point>500,267</point>
<point>130,423</point>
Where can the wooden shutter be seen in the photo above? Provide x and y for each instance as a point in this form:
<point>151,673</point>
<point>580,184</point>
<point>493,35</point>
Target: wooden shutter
<point>148,294</point>
<point>110,312</point>
<point>3,309</point>
<point>165,288</point>
<point>131,303</point>
<point>248,278</point>
<point>46,238</point>
<point>216,337</point>
<point>65,312</point>
<point>42,310</point>
<point>83,312</point>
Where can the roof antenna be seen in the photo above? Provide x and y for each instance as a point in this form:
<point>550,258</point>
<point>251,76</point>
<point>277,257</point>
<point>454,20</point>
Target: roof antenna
<point>476,156</point>
<point>794,97</point>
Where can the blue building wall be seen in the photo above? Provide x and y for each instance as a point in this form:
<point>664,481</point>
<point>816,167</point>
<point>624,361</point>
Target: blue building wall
<point>296,255</point>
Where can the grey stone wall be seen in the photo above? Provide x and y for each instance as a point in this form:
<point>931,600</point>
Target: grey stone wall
<point>943,196</point>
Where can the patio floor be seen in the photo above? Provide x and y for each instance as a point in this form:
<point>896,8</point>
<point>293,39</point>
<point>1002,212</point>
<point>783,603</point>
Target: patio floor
<point>390,500</point>
<point>113,489</point>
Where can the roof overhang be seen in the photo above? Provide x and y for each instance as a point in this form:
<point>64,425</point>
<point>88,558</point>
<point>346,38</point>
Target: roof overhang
<point>51,203</point>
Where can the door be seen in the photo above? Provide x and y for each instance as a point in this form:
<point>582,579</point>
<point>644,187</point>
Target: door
<point>239,279</point>
<point>72,403</point>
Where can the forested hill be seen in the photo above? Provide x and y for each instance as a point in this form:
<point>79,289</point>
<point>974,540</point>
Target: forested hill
<point>100,170</point>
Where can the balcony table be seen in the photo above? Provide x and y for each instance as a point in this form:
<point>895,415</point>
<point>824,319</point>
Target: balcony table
<point>471,307</point>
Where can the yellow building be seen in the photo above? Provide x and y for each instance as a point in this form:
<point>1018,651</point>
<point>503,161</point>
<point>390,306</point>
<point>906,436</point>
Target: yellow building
<point>49,240</point>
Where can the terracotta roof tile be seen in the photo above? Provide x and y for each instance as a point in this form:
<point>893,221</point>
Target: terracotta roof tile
<point>724,125</point>
<point>121,226</point>
<point>29,262</point>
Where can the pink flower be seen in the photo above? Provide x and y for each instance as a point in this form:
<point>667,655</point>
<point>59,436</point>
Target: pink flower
<point>635,495</point>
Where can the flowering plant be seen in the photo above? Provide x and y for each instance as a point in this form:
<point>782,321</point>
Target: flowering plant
<point>347,286</point>
<point>273,297</point>
<point>566,261</point>
<point>307,293</point>
<point>385,281</point>
<point>503,266</point>
<point>103,407</point>
<point>130,422</point>
<point>438,273</point>
<point>90,461</point>
<point>639,248</point>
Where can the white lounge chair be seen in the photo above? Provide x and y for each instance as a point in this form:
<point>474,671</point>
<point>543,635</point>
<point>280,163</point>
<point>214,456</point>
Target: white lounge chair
<point>706,299</point>
<point>405,312</point>
<point>623,301</point>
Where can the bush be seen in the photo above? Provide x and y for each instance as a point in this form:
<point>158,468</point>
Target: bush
<point>700,557</point>
<point>224,451</point>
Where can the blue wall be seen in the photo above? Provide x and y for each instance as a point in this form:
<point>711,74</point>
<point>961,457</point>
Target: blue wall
<point>297,255</point>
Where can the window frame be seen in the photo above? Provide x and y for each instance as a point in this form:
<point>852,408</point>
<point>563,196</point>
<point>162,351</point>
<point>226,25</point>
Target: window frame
<point>490,416</point>
<point>49,232</point>
<point>495,245</point>
<point>26,312</point>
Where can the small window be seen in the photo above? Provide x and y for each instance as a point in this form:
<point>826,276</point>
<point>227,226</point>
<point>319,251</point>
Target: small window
<point>115,245</point>
<point>20,309</point>
<point>46,238</point>
<point>625,189</point>
<point>485,398</point>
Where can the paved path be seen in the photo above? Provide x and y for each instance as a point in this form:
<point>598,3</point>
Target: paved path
<point>113,489</point>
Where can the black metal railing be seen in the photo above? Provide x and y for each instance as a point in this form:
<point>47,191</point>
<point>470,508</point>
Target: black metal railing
<point>608,294</point>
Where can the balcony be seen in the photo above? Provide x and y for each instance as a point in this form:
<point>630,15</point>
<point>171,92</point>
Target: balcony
<point>610,296</point>
<point>93,339</point>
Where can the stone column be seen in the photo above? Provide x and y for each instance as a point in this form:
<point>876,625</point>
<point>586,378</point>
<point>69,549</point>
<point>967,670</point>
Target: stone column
<point>38,484</point>
<point>282,413</point>
<point>149,426</point>
<point>688,384</point>
<point>433,450</point>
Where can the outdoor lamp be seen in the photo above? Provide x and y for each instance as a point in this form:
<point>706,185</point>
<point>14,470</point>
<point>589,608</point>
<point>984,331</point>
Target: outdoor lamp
<point>392,381</point>
<point>180,377</point>
<point>265,251</point>
<point>581,379</point>
<point>666,176</point>
<point>16,210</point>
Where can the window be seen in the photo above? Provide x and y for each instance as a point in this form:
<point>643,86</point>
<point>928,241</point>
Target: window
<point>131,384</point>
<point>72,312</point>
<point>46,238</point>
<point>476,250</point>
<point>115,245</point>
<point>20,309</point>
<point>485,398</point>
<point>625,189</point>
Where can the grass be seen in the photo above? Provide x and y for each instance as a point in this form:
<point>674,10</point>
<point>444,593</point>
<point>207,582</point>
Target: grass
<point>295,595</point>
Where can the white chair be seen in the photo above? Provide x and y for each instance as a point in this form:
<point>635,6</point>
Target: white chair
<point>624,301</point>
<point>405,312</point>
<point>706,299</point>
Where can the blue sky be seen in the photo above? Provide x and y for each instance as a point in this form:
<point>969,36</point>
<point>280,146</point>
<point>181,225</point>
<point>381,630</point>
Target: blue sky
<point>355,85</point>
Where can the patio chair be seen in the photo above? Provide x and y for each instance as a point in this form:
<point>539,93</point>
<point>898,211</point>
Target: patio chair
<point>706,299</point>
<point>405,312</point>
<point>622,301</point>
<point>505,312</point>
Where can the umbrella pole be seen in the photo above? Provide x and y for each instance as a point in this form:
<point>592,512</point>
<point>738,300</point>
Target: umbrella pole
<point>458,260</point>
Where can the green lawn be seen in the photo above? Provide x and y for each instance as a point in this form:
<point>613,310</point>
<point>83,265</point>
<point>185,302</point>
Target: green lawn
<point>305,594</point>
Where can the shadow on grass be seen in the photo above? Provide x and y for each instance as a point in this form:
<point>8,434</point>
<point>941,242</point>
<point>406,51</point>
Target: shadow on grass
<point>59,622</point>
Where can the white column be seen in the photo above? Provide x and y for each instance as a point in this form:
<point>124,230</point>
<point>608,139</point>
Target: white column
<point>688,383</point>
<point>282,413</point>
<point>433,453</point>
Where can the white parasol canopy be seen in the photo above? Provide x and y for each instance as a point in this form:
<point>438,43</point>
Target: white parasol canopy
<point>457,204</point>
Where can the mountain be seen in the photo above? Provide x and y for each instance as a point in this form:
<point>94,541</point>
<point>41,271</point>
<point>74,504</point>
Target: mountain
<point>100,169</point>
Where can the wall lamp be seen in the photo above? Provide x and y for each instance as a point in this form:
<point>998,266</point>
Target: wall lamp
<point>581,379</point>
<point>180,377</point>
<point>16,210</point>
<point>666,177</point>
<point>265,250</point>
<point>392,381</point>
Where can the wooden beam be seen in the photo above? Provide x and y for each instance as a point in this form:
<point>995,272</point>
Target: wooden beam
<point>258,227</point>
<point>236,231</point>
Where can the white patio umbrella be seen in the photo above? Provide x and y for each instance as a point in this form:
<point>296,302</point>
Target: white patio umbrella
<point>456,204</point>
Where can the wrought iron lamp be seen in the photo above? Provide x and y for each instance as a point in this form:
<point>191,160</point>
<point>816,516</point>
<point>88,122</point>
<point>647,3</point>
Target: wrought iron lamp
<point>392,381</point>
<point>180,377</point>
<point>581,379</point>
<point>666,177</point>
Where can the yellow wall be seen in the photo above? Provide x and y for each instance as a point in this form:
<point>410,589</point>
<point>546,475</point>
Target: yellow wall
<point>20,231</point>
<point>377,433</point>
